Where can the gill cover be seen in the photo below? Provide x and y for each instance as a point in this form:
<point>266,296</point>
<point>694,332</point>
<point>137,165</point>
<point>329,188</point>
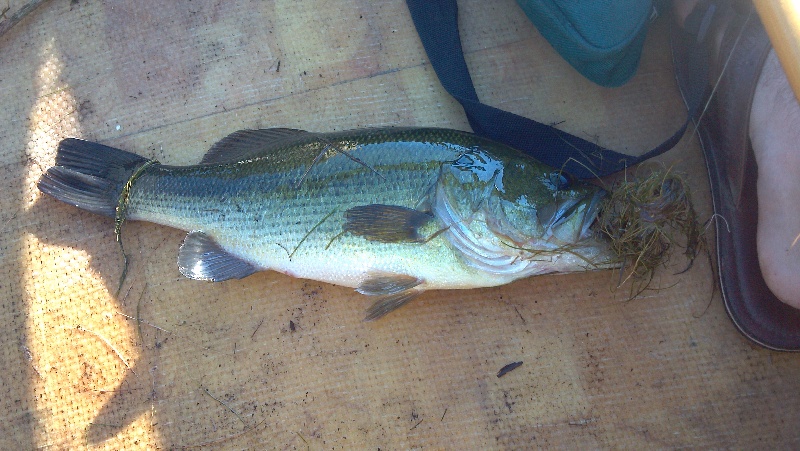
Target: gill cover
<point>521,201</point>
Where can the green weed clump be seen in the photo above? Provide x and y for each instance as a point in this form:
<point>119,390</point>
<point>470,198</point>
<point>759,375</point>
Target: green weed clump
<point>649,216</point>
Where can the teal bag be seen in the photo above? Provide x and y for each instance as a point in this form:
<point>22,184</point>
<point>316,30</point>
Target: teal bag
<point>437,24</point>
<point>601,39</point>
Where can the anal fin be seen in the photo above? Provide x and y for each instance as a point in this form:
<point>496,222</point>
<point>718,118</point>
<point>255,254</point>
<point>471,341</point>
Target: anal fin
<point>202,258</point>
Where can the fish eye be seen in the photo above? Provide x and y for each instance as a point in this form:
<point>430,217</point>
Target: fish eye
<point>559,180</point>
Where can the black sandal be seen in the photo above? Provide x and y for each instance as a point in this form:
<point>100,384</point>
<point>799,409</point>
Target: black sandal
<point>735,46</point>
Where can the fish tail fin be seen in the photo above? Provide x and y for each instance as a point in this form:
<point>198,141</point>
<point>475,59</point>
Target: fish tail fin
<point>89,175</point>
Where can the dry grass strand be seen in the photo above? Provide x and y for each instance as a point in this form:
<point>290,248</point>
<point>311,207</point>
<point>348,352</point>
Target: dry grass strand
<point>648,217</point>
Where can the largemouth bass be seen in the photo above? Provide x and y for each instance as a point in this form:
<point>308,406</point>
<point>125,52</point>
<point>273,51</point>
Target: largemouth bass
<point>390,212</point>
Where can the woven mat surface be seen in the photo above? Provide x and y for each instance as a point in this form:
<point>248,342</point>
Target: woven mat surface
<point>280,363</point>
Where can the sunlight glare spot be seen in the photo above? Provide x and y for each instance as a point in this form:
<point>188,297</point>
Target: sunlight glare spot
<point>80,353</point>
<point>51,119</point>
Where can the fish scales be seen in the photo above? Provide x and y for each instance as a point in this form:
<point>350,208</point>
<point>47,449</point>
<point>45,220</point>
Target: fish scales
<point>258,211</point>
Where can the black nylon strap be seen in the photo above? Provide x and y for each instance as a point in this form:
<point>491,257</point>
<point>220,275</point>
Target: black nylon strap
<point>437,24</point>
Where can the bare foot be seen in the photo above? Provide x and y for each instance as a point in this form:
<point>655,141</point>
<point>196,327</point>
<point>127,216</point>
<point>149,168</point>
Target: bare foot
<point>775,135</point>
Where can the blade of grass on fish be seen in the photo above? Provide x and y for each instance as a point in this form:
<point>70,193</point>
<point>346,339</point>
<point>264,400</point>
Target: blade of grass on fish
<point>596,176</point>
<point>597,154</point>
<point>329,145</point>
<point>308,169</point>
<point>535,254</point>
<point>311,230</point>
<point>119,218</point>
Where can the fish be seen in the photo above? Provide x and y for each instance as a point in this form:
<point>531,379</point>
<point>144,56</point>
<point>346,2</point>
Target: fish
<point>390,212</point>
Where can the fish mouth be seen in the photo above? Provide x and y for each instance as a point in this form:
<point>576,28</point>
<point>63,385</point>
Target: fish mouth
<point>592,212</point>
<point>477,239</point>
<point>570,221</point>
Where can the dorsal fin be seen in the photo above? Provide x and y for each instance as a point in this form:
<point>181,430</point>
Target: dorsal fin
<point>246,144</point>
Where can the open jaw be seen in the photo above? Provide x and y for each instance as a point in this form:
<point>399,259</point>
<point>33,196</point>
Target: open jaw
<point>485,249</point>
<point>571,221</point>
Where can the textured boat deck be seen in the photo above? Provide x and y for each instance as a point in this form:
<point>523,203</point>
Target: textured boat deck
<point>275,362</point>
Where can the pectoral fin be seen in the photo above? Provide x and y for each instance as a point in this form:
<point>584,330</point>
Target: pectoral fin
<point>201,258</point>
<point>391,290</point>
<point>386,223</point>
